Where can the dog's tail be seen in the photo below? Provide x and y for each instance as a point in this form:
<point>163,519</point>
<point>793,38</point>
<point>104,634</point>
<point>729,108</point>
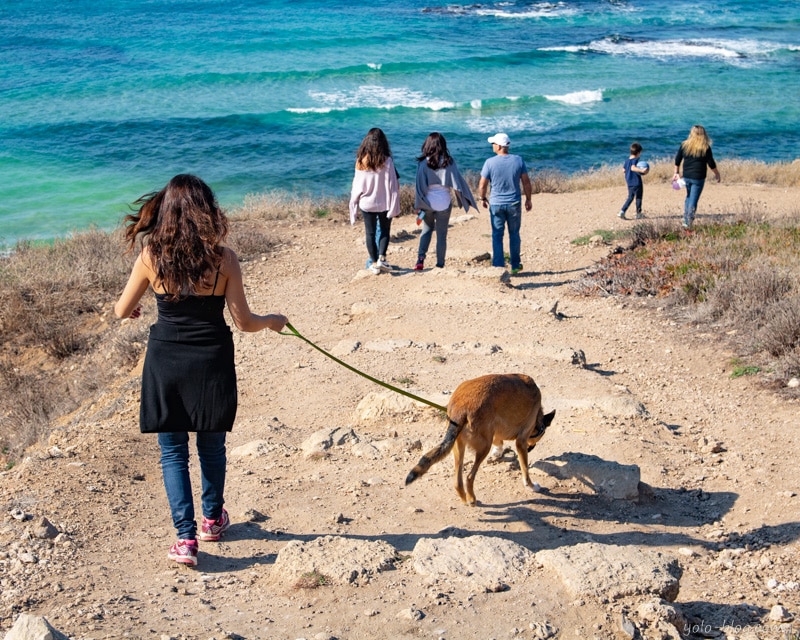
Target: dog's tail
<point>437,453</point>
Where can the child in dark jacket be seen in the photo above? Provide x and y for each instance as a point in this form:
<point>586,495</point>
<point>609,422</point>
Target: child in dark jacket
<point>633,178</point>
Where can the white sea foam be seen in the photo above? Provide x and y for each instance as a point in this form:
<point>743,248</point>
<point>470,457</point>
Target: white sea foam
<point>375,65</point>
<point>539,10</point>
<point>476,104</point>
<point>508,10</point>
<point>379,97</point>
<point>578,97</point>
<point>313,109</point>
<point>510,124</point>
<point>729,50</point>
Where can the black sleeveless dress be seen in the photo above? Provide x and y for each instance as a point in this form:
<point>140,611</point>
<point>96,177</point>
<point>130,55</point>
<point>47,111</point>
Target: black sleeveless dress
<point>189,377</point>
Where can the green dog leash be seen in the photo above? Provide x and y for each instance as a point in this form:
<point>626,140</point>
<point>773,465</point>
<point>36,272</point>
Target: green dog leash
<point>296,333</point>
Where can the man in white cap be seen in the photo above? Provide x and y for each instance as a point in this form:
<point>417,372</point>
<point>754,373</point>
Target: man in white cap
<point>505,171</point>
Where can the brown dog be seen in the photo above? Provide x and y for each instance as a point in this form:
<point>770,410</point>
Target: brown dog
<point>483,412</point>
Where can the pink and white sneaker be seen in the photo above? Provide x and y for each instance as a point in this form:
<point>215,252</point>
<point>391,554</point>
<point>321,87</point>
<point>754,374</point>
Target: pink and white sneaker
<point>211,530</point>
<point>184,552</point>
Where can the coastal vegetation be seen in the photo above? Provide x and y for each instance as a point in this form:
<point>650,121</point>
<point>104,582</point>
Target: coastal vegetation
<point>735,275</point>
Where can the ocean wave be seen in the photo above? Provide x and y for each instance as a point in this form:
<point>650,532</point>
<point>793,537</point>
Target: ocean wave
<point>510,123</point>
<point>374,97</point>
<point>578,97</point>
<point>315,109</point>
<point>729,50</point>
<point>507,10</point>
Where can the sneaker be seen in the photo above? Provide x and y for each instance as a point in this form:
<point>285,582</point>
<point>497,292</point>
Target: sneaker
<point>420,264</point>
<point>516,270</point>
<point>211,530</point>
<point>621,214</point>
<point>640,216</point>
<point>184,552</point>
<point>375,269</point>
<point>382,265</point>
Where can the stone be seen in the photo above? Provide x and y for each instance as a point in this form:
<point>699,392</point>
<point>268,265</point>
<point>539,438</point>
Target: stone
<point>28,627</point>
<point>322,440</point>
<point>779,613</point>
<point>44,530</point>
<point>487,561</point>
<point>341,560</point>
<point>607,571</point>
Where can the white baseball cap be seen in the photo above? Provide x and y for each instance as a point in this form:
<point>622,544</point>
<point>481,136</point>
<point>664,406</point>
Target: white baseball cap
<point>501,139</point>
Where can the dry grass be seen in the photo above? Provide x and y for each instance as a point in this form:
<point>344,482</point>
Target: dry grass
<point>277,205</point>
<point>51,304</point>
<point>781,174</point>
<point>738,276</point>
<point>46,292</point>
<point>312,580</point>
<point>60,343</point>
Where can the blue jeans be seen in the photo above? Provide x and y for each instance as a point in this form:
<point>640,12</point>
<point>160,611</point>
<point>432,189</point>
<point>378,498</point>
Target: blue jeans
<point>634,193</point>
<point>175,468</point>
<point>377,240</point>
<point>438,221</point>
<point>502,214</point>
<point>693,190</point>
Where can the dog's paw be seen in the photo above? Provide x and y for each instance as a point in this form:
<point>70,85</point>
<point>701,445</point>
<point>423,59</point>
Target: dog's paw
<point>495,455</point>
<point>535,487</point>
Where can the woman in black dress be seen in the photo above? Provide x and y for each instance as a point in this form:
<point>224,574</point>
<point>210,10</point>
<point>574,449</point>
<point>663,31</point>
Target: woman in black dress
<point>189,379</point>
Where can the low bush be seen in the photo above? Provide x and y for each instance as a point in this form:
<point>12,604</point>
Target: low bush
<point>739,275</point>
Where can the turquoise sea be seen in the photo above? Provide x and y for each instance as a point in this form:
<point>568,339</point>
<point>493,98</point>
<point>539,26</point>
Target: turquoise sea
<point>103,102</point>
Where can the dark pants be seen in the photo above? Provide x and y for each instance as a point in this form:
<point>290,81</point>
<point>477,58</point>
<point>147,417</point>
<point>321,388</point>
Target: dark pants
<point>371,220</point>
<point>634,192</point>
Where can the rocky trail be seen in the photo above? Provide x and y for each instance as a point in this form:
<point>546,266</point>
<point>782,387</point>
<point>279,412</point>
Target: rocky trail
<point>667,503</point>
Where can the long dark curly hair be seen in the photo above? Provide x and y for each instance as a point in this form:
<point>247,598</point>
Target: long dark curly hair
<point>434,149</point>
<point>373,151</point>
<point>183,228</point>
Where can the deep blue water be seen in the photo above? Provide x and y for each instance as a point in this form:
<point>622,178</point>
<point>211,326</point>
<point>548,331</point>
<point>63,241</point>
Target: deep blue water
<point>101,104</point>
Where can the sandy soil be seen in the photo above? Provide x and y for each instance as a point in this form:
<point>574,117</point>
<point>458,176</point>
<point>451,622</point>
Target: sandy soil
<point>720,454</point>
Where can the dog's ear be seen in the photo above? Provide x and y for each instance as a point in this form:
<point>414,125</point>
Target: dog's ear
<point>540,429</point>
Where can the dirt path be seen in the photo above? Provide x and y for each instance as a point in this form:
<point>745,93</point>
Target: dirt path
<point>719,453</point>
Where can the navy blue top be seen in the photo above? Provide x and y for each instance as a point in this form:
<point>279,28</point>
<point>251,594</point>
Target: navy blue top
<point>632,179</point>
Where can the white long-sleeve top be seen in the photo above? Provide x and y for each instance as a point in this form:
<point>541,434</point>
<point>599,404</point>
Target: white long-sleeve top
<point>375,191</point>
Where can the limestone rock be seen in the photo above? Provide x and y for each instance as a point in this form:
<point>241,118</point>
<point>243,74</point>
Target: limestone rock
<point>28,627</point>
<point>485,560</point>
<point>606,571</point>
<point>341,560</point>
<point>322,440</point>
